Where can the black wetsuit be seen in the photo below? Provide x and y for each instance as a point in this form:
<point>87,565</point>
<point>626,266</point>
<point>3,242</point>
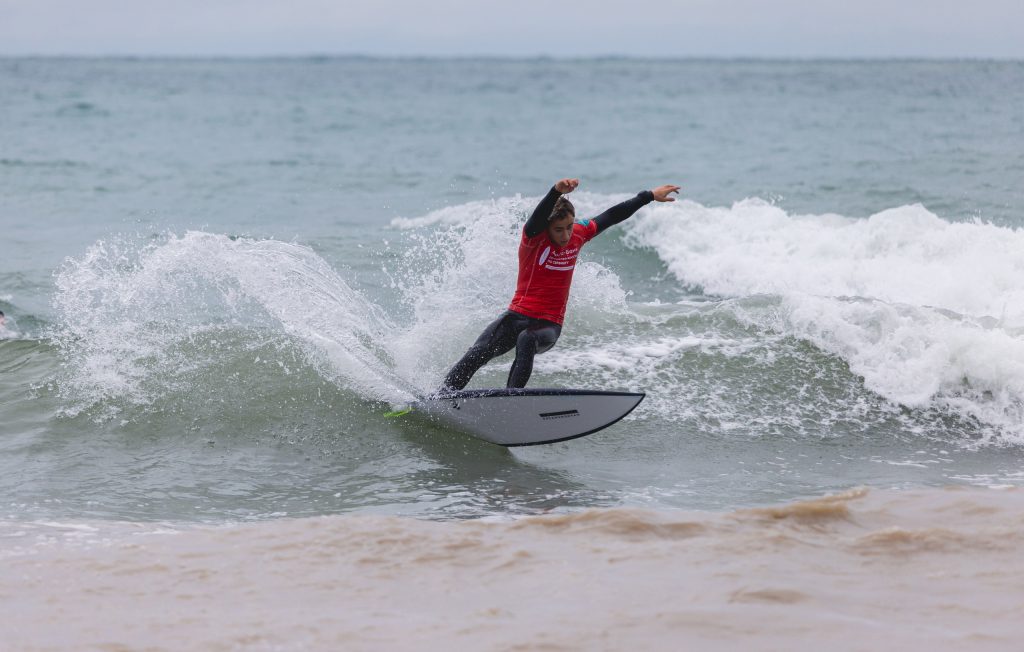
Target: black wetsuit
<point>529,335</point>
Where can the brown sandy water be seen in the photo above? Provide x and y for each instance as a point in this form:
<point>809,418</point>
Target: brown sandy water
<point>863,570</point>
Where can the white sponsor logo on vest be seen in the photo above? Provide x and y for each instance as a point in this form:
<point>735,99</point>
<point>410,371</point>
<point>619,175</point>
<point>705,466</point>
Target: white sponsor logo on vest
<point>544,255</point>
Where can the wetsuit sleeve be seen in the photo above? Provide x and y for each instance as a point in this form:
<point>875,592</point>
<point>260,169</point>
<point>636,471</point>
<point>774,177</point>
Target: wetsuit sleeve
<point>620,212</point>
<point>539,220</point>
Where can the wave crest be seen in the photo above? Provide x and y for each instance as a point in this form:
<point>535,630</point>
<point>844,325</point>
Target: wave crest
<point>929,313</point>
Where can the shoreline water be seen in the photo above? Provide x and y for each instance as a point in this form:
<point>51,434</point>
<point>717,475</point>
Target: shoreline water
<point>864,569</point>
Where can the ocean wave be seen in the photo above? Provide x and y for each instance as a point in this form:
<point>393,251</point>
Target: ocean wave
<point>928,312</point>
<point>140,319</point>
<point>129,312</point>
<point>794,305</point>
<point>901,255</point>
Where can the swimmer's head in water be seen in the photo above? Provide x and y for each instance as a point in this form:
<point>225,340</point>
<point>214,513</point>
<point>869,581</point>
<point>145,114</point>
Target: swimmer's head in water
<point>560,222</point>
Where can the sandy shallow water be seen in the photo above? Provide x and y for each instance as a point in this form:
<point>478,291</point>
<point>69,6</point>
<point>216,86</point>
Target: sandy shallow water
<point>921,569</point>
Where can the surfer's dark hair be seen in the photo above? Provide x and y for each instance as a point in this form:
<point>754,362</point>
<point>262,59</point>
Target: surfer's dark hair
<point>563,208</point>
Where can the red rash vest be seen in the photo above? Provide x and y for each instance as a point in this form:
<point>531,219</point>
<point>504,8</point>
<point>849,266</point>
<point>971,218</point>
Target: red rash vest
<point>545,273</point>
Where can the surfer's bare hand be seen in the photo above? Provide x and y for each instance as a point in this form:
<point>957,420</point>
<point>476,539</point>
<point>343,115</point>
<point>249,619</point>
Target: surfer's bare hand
<point>661,193</point>
<point>565,186</point>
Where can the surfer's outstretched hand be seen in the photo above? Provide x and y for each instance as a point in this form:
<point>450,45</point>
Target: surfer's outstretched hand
<point>565,186</point>
<point>661,193</point>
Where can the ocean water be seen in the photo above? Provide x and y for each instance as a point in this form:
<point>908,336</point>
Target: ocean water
<point>218,275</point>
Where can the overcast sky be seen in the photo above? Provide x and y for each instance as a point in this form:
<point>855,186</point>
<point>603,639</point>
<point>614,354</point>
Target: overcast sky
<point>769,28</point>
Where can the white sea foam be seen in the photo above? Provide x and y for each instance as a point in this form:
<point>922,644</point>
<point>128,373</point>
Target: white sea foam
<point>641,358</point>
<point>928,312</point>
<point>902,255</point>
<point>462,214</point>
<point>127,311</point>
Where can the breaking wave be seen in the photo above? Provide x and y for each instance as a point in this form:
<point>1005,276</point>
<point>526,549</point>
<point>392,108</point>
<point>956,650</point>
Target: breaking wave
<point>925,314</point>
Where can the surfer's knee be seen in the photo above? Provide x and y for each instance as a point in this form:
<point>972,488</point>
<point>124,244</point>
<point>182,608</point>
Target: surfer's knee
<point>546,338</point>
<point>527,341</point>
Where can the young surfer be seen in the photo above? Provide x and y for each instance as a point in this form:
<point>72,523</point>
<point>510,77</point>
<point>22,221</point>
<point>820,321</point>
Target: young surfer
<point>548,249</point>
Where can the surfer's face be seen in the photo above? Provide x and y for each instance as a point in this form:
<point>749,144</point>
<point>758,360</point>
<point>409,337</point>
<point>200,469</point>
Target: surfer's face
<point>560,231</point>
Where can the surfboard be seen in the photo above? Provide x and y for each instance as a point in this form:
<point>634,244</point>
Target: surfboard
<point>527,417</point>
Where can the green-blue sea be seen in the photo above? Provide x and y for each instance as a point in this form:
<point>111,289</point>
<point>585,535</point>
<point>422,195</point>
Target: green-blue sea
<point>218,275</point>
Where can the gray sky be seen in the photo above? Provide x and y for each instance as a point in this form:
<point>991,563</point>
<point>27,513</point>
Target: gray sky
<point>771,28</point>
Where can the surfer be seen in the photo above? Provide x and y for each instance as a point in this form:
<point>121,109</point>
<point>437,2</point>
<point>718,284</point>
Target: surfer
<point>548,249</point>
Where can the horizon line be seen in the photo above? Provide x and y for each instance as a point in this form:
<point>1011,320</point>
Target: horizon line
<point>515,57</point>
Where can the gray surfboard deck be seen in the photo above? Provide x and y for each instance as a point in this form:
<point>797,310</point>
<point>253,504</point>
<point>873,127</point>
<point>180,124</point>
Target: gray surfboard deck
<point>527,417</point>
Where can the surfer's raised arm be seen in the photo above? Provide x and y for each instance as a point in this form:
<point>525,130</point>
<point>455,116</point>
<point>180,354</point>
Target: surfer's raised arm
<point>623,211</point>
<point>538,221</point>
